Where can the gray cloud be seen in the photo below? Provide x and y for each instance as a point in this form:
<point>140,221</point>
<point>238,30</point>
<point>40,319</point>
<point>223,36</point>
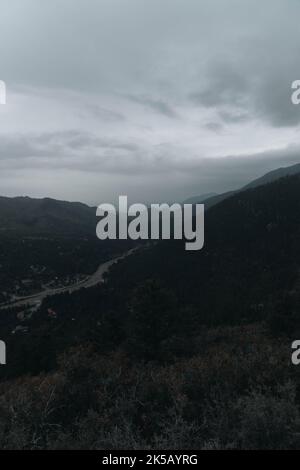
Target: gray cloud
<point>103,114</point>
<point>89,153</point>
<point>62,149</point>
<point>152,97</point>
<point>214,127</point>
<point>156,105</point>
<point>226,85</point>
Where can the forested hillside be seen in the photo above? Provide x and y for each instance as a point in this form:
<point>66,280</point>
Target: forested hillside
<point>176,349</point>
<point>29,216</point>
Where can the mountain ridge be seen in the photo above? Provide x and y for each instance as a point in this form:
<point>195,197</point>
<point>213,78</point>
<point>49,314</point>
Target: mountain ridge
<point>268,177</point>
<point>47,215</point>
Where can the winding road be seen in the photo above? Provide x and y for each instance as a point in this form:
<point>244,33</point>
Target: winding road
<point>93,280</point>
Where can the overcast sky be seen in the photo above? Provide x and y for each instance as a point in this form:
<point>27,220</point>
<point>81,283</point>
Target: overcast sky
<point>156,99</point>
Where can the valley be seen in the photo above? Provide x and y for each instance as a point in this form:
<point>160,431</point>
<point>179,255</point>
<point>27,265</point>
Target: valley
<point>90,281</point>
<point>176,349</point>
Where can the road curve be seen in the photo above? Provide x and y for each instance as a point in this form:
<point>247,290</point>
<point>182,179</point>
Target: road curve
<point>91,281</point>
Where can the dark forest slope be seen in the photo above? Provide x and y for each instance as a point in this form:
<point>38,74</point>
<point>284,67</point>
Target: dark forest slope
<point>31,216</point>
<point>250,259</point>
